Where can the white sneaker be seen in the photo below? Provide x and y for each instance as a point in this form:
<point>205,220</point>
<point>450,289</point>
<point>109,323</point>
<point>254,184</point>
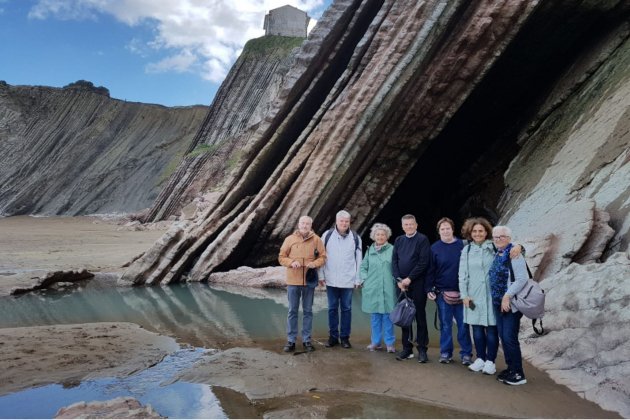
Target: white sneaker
<point>477,365</point>
<point>489,368</point>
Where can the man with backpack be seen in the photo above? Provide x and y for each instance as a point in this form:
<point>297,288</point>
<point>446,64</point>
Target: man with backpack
<point>340,274</point>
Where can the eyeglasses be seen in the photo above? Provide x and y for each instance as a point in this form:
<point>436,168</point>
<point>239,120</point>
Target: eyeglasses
<point>496,238</point>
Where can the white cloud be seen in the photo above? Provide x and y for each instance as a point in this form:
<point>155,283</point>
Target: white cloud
<point>205,36</point>
<point>178,63</point>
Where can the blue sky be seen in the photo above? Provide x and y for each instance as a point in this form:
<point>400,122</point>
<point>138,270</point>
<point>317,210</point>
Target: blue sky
<point>169,52</point>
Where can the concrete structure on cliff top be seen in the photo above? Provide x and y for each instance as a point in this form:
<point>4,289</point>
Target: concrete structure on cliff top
<point>286,21</point>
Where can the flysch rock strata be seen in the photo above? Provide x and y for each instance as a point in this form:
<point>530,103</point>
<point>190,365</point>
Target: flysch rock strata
<point>392,55</point>
<point>76,151</point>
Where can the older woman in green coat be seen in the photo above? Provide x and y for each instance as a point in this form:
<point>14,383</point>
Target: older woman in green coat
<point>378,287</point>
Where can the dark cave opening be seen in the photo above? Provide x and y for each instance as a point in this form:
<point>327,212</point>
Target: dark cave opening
<point>460,174</point>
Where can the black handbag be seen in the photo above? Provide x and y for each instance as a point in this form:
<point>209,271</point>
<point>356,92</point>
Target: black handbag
<point>404,312</point>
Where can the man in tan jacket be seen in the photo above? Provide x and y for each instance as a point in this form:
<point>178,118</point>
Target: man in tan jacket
<point>301,251</point>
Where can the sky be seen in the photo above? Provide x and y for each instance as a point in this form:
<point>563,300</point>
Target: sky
<point>168,52</point>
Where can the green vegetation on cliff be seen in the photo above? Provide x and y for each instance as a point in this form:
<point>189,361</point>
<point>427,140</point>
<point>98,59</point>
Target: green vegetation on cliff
<point>272,44</point>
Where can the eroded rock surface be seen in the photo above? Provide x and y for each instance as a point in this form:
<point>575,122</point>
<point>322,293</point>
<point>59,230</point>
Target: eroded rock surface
<point>588,322</point>
<point>44,279</point>
<point>118,408</point>
<point>77,151</point>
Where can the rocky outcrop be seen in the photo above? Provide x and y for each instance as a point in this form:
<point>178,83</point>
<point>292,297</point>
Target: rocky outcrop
<point>588,323</point>
<point>42,280</point>
<point>376,101</point>
<point>265,278</point>
<point>118,408</point>
<point>240,105</point>
<point>569,181</point>
<point>76,151</point>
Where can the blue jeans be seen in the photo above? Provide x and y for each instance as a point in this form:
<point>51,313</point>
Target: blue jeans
<point>294,294</point>
<point>339,297</point>
<point>382,324</point>
<point>508,324</point>
<point>486,341</point>
<point>447,313</point>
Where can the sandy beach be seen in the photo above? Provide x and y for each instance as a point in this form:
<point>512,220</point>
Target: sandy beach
<point>254,374</point>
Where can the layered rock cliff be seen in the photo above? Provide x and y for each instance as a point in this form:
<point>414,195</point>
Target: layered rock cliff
<point>76,151</point>
<point>393,107</point>
<point>239,106</point>
<point>513,110</point>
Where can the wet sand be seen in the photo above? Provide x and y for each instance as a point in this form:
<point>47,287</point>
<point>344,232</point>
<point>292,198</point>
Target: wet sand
<point>327,383</point>
<point>68,354</point>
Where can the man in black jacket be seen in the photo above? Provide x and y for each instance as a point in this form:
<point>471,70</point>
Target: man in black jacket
<point>410,263</point>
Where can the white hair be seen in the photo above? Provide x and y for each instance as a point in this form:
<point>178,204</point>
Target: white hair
<point>502,229</point>
<point>380,226</point>
<point>343,214</point>
<point>309,218</point>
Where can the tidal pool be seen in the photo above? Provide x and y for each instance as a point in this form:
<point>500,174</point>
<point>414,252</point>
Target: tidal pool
<point>193,313</point>
<point>196,314</point>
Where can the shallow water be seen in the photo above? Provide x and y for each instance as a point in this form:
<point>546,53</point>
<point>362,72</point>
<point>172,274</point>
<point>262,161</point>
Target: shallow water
<point>151,386</point>
<point>194,313</point>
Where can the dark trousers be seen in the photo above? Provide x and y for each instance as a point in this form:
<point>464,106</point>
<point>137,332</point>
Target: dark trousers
<point>508,324</point>
<point>422,333</point>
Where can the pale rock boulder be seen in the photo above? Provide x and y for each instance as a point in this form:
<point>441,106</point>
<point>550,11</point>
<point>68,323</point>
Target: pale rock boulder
<point>118,408</point>
<point>588,322</point>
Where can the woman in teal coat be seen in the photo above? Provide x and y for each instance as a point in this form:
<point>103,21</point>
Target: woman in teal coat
<point>378,287</point>
<point>474,287</point>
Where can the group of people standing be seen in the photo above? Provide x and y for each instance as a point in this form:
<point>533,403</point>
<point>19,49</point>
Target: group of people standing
<point>477,266</point>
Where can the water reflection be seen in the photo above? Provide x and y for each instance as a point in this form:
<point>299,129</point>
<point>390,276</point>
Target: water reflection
<point>195,313</point>
<point>151,386</point>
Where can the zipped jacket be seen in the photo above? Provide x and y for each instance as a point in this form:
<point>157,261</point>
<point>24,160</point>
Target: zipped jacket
<point>297,248</point>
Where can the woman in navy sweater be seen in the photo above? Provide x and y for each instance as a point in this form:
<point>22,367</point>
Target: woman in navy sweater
<point>443,277</point>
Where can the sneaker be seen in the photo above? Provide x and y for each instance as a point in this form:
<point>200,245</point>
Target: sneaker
<point>515,378</point>
<point>501,376</point>
<point>489,368</point>
<point>308,346</point>
<point>477,365</point>
<point>345,343</point>
<point>422,356</point>
<point>466,360</point>
<point>374,347</point>
<point>289,347</point>
<point>332,342</point>
<point>445,358</point>
<point>391,349</point>
<point>404,355</point>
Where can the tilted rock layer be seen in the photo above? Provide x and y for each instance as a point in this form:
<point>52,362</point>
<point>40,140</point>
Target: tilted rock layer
<point>513,110</point>
<point>76,151</point>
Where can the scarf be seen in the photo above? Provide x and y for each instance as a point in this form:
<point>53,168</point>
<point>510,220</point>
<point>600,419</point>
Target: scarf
<point>499,275</point>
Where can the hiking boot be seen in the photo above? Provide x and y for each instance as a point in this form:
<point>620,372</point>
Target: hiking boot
<point>332,342</point>
<point>477,365</point>
<point>289,347</point>
<point>405,354</point>
<point>374,347</point>
<point>445,358</point>
<point>422,356</point>
<point>489,368</point>
<point>308,346</point>
<point>345,343</point>
<point>466,360</point>
<point>501,376</point>
<point>515,378</point>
